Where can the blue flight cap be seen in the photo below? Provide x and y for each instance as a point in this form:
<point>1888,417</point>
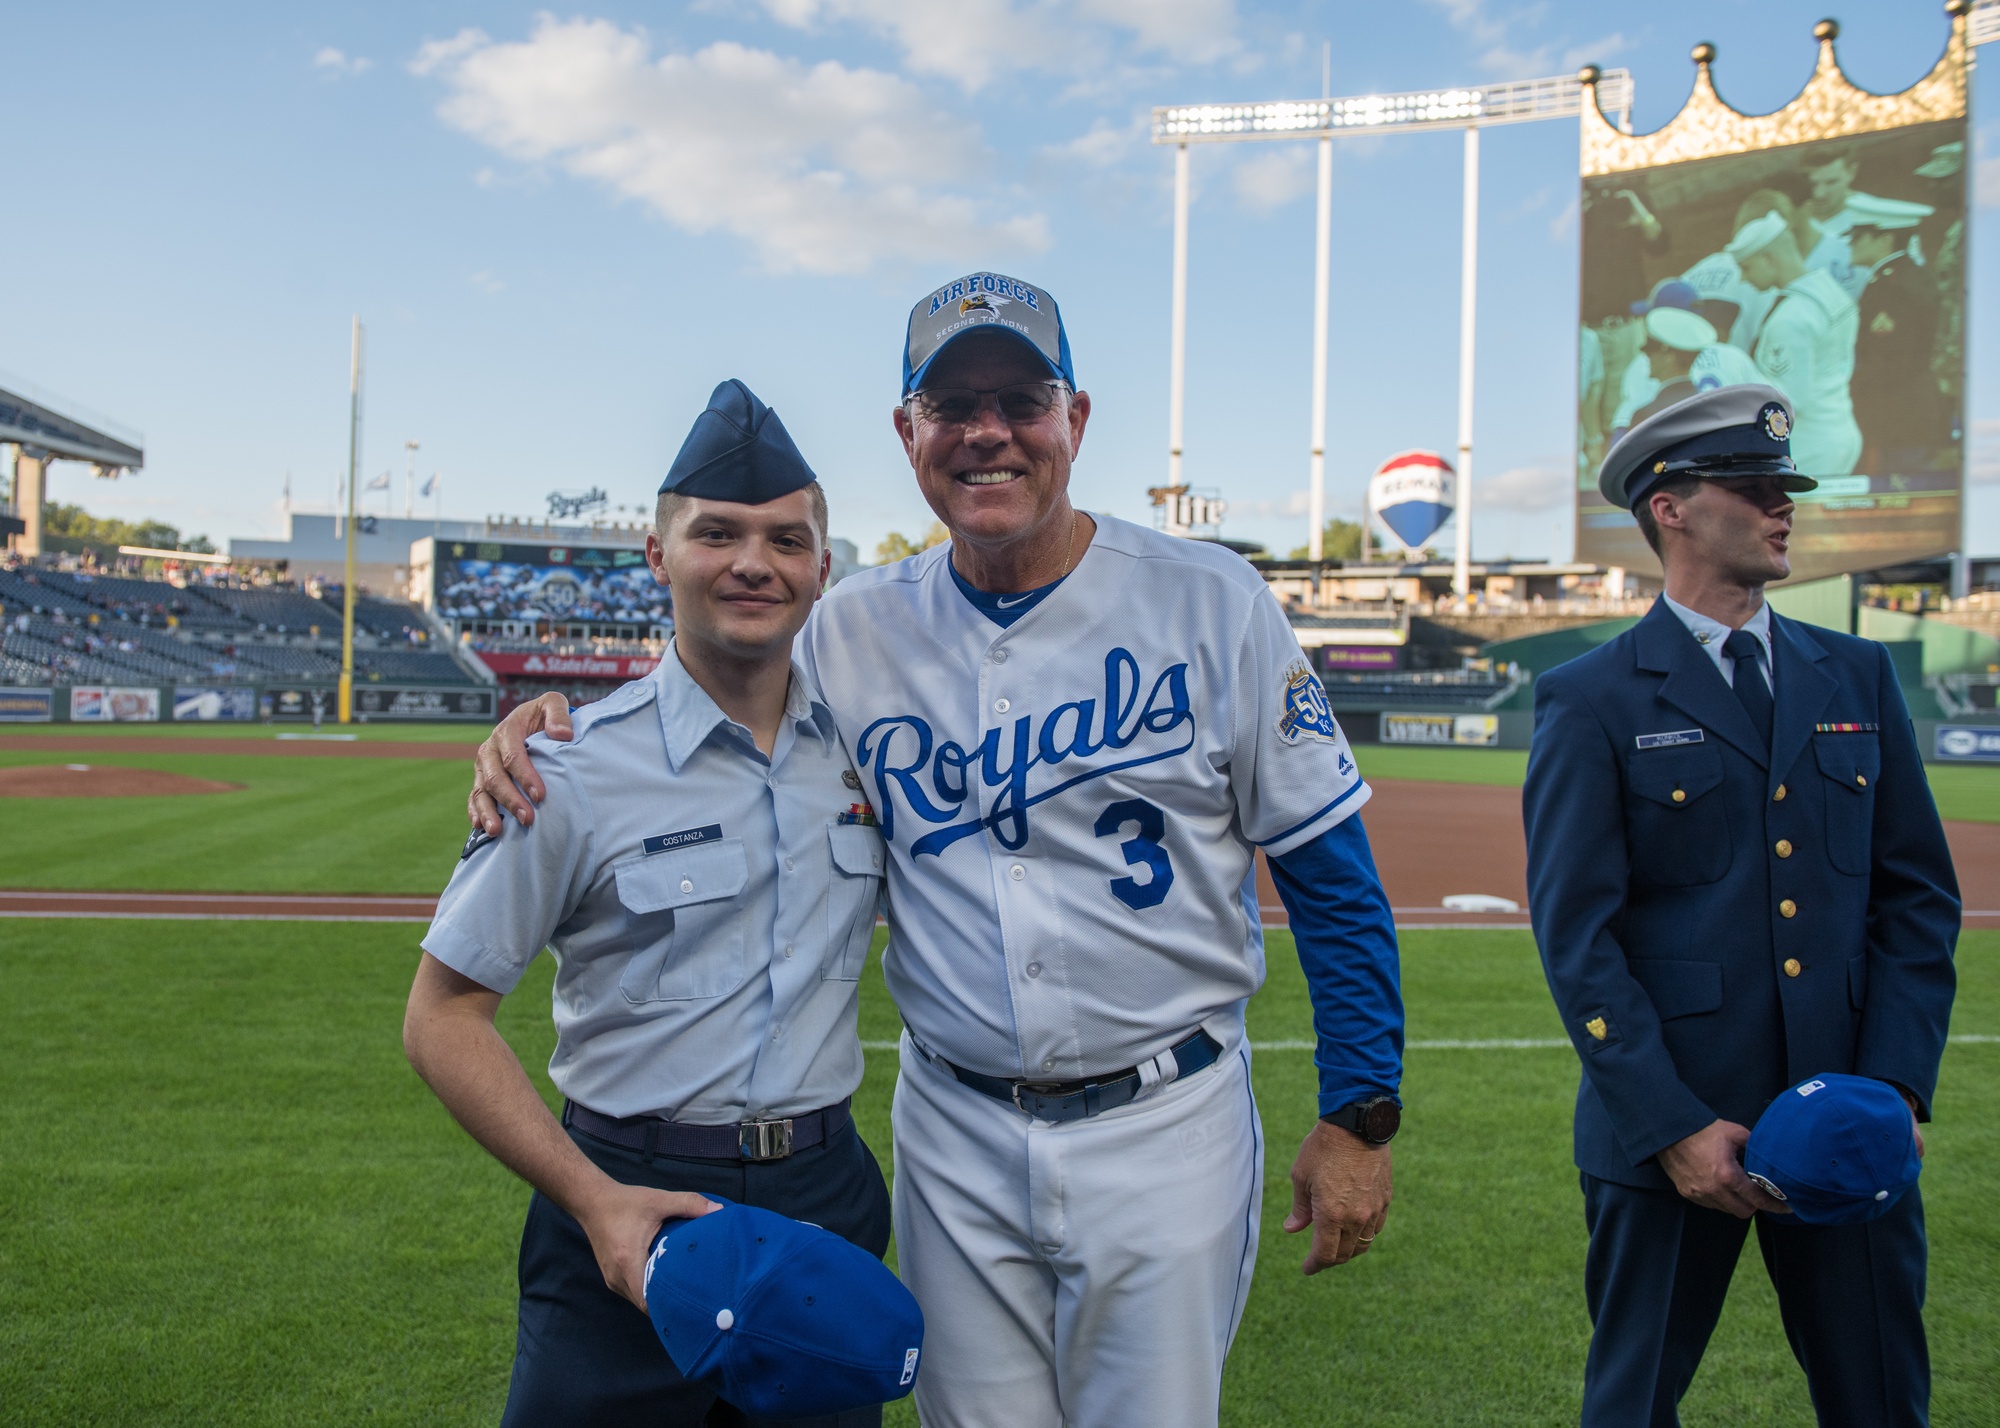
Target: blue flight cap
<point>986,302</point>
<point>1725,432</point>
<point>1840,1150</point>
<point>738,451</point>
<point>781,1318</point>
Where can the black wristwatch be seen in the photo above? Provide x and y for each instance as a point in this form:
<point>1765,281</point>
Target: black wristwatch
<point>1376,1120</point>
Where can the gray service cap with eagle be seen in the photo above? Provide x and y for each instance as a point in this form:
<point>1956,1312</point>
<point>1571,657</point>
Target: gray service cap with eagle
<point>1722,434</point>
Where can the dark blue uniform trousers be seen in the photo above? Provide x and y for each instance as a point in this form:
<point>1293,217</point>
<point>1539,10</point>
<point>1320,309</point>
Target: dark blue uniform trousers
<point>585,1356</point>
<point>1851,1297</point>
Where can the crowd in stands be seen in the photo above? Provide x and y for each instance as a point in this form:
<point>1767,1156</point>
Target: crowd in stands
<point>81,627</point>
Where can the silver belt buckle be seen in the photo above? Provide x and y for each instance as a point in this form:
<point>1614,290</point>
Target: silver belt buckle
<point>1033,1088</point>
<point>765,1140</point>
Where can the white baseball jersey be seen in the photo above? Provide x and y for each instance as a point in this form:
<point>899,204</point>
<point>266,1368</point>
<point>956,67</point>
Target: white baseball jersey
<point>1806,351</point>
<point>1071,803</point>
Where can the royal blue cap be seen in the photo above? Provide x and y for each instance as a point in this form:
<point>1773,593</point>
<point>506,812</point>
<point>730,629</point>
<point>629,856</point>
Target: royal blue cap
<point>1840,1150</point>
<point>781,1318</point>
<point>738,451</point>
<point>986,302</point>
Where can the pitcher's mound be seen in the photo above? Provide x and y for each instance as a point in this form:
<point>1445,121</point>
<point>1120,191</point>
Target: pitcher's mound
<point>100,781</point>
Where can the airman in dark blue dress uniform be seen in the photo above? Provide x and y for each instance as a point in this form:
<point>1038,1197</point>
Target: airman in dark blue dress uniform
<point>1738,880</point>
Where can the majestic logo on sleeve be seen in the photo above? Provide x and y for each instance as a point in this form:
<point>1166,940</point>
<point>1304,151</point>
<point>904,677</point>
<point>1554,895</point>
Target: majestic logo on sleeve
<point>1025,763</point>
<point>1306,711</point>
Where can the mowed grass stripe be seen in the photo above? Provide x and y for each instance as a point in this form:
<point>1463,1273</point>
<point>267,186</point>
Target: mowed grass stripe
<point>297,826</point>
<point>229,1201</point>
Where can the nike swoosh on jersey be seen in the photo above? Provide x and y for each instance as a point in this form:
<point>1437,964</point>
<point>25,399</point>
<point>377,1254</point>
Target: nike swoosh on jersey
<point>1010,604</point>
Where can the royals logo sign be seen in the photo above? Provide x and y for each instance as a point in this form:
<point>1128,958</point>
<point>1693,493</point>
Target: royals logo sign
<point>1026,763</point>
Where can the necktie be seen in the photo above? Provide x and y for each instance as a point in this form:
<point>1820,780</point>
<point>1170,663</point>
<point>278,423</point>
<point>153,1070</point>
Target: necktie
<point>1748,677</point>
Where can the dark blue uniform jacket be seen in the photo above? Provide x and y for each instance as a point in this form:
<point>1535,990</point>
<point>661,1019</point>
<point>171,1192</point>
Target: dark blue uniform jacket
<point>1718,924</point>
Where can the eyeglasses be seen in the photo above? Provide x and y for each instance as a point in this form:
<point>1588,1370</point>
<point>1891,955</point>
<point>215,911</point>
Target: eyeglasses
<point>957,406</point>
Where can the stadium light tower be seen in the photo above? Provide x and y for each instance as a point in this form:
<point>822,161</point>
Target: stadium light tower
<point>1323,120</point>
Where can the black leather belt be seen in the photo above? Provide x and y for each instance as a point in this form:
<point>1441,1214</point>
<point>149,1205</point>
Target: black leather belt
<point>772,1139</point>
<point>1074,1100</point>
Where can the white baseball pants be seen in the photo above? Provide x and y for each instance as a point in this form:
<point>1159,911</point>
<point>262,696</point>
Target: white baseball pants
<point>1090,1273</point>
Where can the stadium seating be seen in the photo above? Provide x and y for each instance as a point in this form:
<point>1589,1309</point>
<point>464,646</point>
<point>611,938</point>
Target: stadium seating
<point>73,627</point>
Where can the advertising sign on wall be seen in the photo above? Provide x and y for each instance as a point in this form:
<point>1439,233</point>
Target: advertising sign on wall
<point>377,703</point>
<point>1967,742</point>
<point>1359,658</point>
<point>300,703</point>
<point>556,666</point>
<point>1465,730</point>
<point>234,704</point>
<point>26,706</point>
<point>1820,250</point>
<point>103,704</point>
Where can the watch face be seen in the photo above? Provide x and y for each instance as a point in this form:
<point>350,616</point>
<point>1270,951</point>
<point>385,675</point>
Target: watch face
<point>1380,1121</point>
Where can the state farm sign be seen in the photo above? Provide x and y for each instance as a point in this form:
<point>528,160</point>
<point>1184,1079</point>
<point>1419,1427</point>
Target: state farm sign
<point>554,666</point>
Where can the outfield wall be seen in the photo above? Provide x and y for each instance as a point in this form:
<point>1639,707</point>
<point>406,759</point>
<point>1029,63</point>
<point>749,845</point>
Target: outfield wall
<point>243,704</point>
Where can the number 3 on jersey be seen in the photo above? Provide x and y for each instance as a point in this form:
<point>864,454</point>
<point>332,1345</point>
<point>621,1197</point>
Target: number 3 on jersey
<point>1143,851</point>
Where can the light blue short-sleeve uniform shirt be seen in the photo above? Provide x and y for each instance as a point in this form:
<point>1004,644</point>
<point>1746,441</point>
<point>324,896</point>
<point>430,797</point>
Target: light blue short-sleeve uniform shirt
<point>709,909</point>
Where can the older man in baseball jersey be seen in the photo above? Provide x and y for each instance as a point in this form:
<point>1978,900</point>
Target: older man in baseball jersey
<point>1075,733</point>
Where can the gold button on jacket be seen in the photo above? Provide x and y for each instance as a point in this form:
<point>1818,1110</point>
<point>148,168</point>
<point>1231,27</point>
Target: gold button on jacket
<point>1779,796</point>
<point>1792,967</point>
<point>1784,847</point>
<point>1788,908</point>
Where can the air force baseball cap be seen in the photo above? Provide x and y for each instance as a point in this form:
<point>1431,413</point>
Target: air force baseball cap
<point>781,1318</point>
<point>738,451</point>
<point>985,302</point>
<point>1840,1150</point>
<point>1725,432</point>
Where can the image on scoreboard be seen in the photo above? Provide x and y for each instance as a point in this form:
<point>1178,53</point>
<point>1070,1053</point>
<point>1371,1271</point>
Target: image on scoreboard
<point>558,583</point>
<point>1834,271</point>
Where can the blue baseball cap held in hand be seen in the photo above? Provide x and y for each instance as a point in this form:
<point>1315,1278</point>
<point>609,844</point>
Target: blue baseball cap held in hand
<point>781,1318</point>
<point>1840,1150</point>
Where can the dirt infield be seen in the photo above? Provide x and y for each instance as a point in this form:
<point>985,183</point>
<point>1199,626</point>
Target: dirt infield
<point>1433,840</point>
<point>300,748</point>
<point>101,781</point>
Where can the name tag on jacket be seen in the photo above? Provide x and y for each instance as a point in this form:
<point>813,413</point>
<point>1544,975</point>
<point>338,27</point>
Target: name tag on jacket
<point>687,837</point>
<point>1668,740</point>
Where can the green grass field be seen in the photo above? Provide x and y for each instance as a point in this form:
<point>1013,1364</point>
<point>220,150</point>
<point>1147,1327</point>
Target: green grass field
<point>228,1200</point>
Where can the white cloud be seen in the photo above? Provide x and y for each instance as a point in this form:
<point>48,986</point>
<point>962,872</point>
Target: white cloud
<point>972,41</point>
<point>1102,147</point>
<point>1986,169</point>
<point>1563,226</point>
<point>1274,178</point>
<point>1495,33</point>
<point>337,62</point>
<point>1196,30</point>
<point>1524,488</point>
<point>820,168</point>
<point>485,281</point>
<point>1983,463</point>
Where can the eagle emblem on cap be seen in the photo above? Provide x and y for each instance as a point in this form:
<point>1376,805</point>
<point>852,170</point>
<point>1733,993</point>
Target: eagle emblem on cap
<point>1777,424</point>
<point>977,303</point>
<point>1765,1185</point>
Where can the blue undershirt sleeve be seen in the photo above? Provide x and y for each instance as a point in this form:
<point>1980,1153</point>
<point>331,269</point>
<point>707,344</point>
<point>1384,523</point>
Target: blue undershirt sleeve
<point>1346,938</point>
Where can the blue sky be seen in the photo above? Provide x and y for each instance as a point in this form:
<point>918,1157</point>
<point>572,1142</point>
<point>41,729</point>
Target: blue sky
<point>562,228</point>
